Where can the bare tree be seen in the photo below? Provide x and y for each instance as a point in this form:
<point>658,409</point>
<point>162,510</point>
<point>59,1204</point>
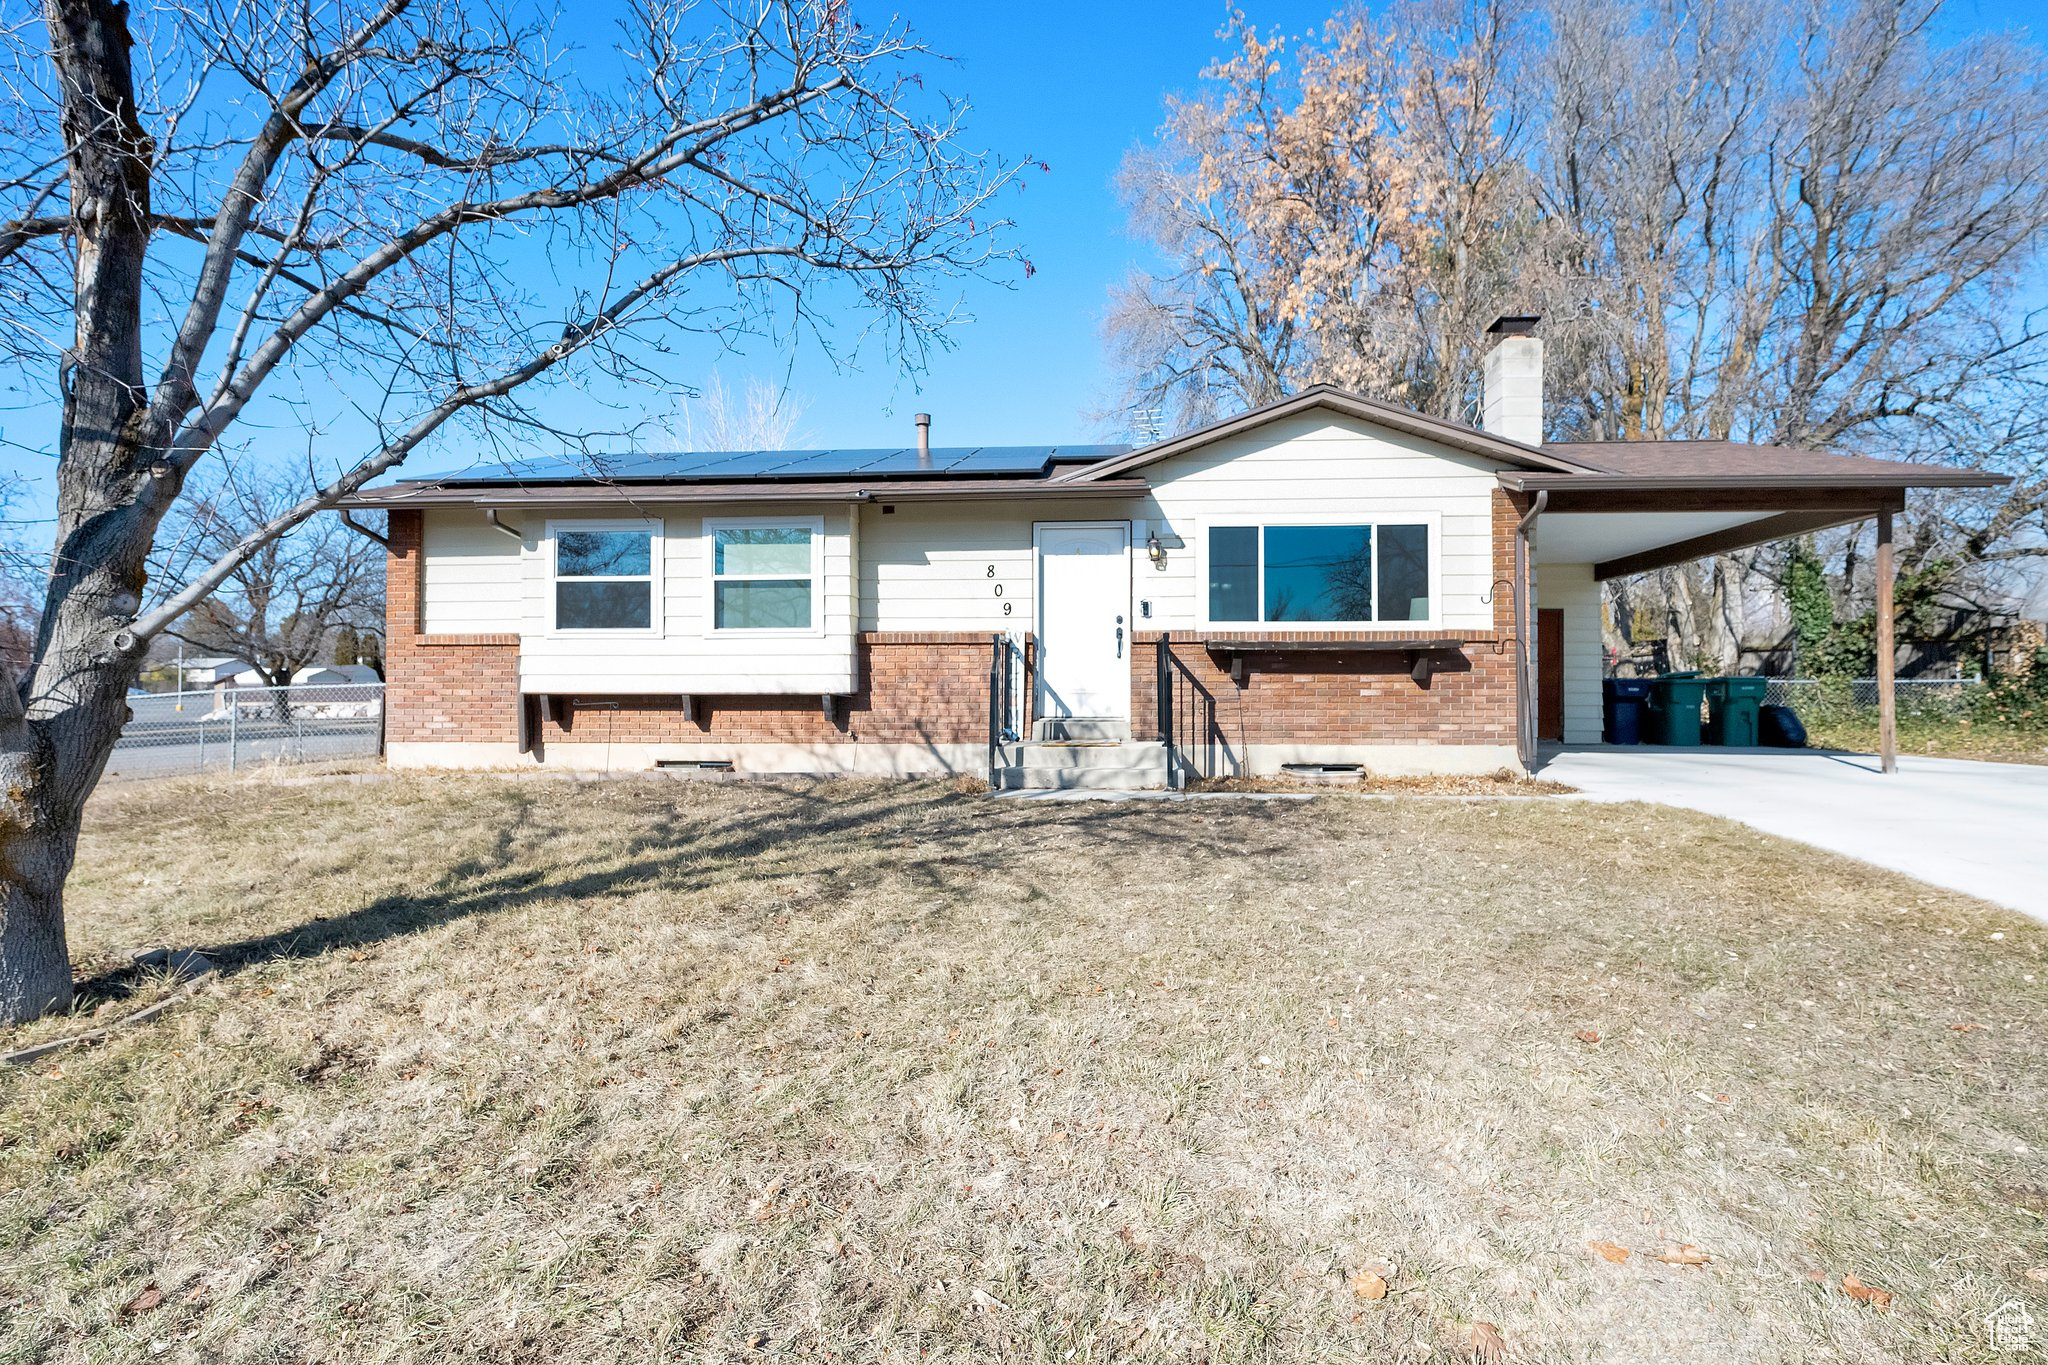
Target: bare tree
<point>205,202</point>
<point>20,595</point>
<point>1809,224</point>
<point>281,605</point>
<point>762,416</point>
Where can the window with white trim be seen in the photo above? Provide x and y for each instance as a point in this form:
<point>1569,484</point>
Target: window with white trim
<point>764,575</point>
<point>604,576</point>
<point>1360,574</point>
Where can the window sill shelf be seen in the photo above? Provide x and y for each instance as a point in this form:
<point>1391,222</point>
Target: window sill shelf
<point>1418,649</point>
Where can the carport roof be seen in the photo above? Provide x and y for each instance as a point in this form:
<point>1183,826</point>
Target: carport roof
<point>1734,464</point>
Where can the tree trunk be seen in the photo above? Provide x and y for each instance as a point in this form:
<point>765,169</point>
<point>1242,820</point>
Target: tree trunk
<point>51,757</point>
<point>35,964</point>
<point>114,480</point>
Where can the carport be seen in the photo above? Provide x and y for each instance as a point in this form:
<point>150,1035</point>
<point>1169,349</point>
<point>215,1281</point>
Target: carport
<point>1629,507</point>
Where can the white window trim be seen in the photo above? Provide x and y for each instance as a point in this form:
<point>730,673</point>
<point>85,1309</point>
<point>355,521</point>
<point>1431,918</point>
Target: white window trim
<point>1432,520</point>
<point>654,530</point>
<point>712,526</point>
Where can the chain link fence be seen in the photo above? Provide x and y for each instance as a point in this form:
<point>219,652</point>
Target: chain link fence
<point>228,728</point>
<point>1930,698</point>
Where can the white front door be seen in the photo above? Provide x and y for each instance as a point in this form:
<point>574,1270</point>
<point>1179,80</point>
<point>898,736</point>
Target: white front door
<point>1084,625</point>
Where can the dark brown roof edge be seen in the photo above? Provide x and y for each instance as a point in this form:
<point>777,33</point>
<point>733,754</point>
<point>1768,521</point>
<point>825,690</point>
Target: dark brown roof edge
<point>1470,440</point>
<point>397,496</point>
<point>1907,476</point>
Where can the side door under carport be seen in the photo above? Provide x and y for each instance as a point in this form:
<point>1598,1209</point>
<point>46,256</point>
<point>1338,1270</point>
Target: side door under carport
<point>1550,673</point>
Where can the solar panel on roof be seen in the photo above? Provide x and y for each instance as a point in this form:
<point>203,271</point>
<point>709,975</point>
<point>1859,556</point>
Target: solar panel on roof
<point>748,465</point>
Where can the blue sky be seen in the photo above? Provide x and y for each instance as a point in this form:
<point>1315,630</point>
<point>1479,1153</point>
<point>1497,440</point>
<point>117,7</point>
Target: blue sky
<point>1073,84</point>
<point>1076,86</point>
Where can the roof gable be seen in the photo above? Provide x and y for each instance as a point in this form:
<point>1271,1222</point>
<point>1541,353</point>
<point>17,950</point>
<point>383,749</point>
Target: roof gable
<point>1327,397</point>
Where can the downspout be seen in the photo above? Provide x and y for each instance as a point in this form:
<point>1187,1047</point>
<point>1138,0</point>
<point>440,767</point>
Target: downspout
<point>1525,610</point>
<point>491,516</point>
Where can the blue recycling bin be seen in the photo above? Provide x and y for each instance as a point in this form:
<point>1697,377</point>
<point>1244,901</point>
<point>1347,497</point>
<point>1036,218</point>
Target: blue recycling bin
<point>1624,699</point>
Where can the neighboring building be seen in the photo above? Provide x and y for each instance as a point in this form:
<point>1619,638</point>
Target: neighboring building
<point>219,671</point>
<point>334,675</point>
<point>1326,579</point>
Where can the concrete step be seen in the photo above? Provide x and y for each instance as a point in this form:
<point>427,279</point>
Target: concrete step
<point>1054,729</point>
<point>1096,766</point>
<point>1098,755</point>
<point>1080,779</point>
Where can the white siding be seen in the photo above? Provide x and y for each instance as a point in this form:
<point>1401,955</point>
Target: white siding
<point>1316,467</point>
<point>1572,588</point>
<point>473,586</point>
<point>926,566</point>
<point>956,566</point>
<point>471,581</point>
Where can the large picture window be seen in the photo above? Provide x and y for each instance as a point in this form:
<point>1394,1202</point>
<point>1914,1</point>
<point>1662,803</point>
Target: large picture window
<point>604,577</point>
<point>763,577</point>
<point>1357,574</point>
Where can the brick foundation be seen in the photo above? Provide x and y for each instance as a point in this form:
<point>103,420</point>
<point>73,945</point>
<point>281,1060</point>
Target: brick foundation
<point>915,689</point>
<point>1300,698</point>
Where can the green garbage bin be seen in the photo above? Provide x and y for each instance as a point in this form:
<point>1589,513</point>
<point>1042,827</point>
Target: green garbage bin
<point>1735,711</point>
<point>1675,709</point>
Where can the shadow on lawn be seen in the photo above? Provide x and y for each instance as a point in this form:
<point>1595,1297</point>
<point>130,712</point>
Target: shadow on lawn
<point>678,849</point>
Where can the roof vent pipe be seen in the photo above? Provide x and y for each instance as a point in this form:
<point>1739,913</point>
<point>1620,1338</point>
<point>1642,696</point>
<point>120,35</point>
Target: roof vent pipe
<point>924,440</point>
<point>1513,392</point>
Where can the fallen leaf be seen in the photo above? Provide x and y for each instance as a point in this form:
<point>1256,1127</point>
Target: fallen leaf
<point>1610,1251</point>
<point>1964,1028</point>
<point>2039,1274</point>
<point>1686,1254</point>
<point>149,1298</point>
<point>1586,1035</point>
<point>195,1294</point>
<point>1368,1284</point>
<point>1487,1343</point>
<point>1866,1293</point>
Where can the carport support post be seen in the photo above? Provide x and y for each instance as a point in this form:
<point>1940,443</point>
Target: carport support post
<point>1887,704</point>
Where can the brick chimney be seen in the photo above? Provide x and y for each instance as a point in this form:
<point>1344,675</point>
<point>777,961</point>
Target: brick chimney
<point>1514,381</point>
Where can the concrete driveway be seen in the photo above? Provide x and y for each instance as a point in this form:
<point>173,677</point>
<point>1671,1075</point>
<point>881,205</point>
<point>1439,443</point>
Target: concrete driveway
<point>1981,828</point>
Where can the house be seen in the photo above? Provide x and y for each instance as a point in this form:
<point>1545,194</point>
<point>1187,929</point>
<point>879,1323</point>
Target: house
<point>1323,580</point>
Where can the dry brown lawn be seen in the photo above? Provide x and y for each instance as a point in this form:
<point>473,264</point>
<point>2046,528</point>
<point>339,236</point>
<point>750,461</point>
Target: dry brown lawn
<point>660,1070</point>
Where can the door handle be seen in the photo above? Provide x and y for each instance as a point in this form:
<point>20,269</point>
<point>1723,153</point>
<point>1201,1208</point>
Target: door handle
<point>1119,637</point>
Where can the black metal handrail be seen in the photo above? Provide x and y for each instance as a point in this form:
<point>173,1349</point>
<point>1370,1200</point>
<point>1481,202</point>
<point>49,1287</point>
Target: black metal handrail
<point>1004,706</point>
<point>1187,717</point>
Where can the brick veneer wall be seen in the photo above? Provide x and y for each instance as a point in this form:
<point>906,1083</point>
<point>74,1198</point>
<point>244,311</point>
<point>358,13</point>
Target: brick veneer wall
<point>915,688</point>
<point>447,688</point>
<point>1330,698</point>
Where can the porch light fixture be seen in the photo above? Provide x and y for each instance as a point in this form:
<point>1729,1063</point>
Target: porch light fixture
<point>1155,551</point>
